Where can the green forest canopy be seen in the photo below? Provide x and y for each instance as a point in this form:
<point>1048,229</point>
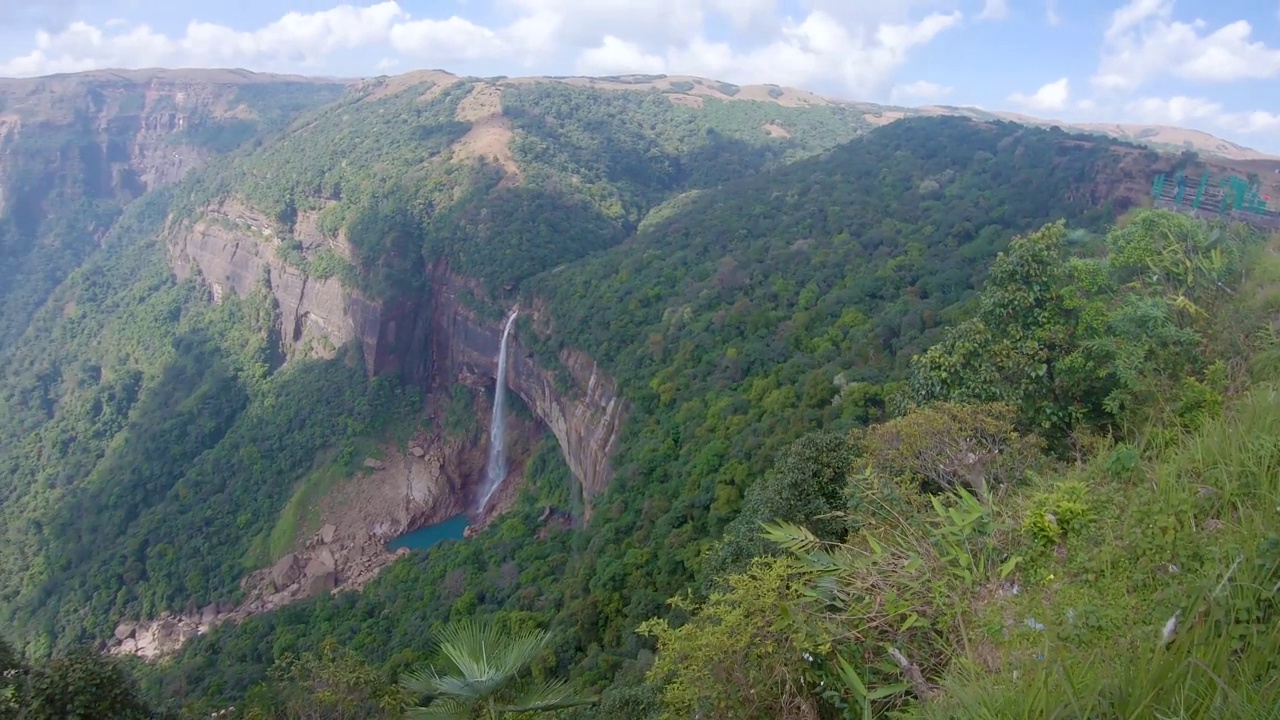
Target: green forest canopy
<point>149,440</point>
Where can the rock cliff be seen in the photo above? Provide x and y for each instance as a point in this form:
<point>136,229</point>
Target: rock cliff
<point>425,483</point>
<point>585,418</point>
<point>236,249</point>
<point>119,133</point>
<point>434,341</point>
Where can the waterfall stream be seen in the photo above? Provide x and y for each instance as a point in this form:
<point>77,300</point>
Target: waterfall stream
<point>496,468</point>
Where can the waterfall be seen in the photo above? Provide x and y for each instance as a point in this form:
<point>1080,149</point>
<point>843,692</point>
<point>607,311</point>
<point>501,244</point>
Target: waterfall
<point>496,468</point>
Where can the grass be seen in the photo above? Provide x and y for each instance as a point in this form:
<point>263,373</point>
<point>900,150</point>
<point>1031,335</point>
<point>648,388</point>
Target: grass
<point>300,517</point>
<point>1191,534</point>
<point>1164,601</point>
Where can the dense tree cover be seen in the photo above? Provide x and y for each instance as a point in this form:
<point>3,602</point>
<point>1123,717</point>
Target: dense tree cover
<point>380,169</point>
<point>511,573</point>
<point>739,316</point>
<point>1110,587</point>
<point>727,359</point>
<point>51,222</point>
<point>782,304</point>
<point>148,442</point>
<point>333,683</point>
<point>628,151</point>
<point>67,182</point>
<point>79,684</point>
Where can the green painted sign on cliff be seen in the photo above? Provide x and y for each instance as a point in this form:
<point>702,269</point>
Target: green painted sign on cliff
<point>1231,193</point>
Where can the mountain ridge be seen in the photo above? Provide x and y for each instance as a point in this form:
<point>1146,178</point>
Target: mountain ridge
<point>690,89</point>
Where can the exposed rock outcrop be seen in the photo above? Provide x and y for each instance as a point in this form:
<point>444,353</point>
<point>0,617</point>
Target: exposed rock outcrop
<point>586,418</point>
<point>355,523</point>
<point>131,130</point>
<point>436,341</point>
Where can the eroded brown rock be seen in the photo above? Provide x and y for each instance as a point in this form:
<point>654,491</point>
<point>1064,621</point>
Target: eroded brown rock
<point>348,550</point>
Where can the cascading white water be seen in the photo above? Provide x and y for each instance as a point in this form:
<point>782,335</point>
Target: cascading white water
<point>496,468</point>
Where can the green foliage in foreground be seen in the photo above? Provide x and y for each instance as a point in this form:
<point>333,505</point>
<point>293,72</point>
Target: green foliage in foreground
<point>79,684</point>
<point>479,670</point>
<point>1132,582</point>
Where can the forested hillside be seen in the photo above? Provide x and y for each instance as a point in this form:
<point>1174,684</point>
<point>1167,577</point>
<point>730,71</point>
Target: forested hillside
<point>920,418</point>
<point>75,150</point>
<point>149,440</point>
<point>728,358</point>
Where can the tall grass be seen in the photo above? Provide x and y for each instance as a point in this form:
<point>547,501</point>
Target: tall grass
<point>1191,550</point>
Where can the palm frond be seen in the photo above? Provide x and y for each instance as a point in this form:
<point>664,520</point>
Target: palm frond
<point>419,681</point>
<point>534,695</point>
<point>520,651</point>
<point>441,709</point>
<point>476,660</point>
<point>548,694</point>
<point>428,681</point>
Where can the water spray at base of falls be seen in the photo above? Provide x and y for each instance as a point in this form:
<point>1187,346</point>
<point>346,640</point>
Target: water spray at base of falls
<point>495,470</point>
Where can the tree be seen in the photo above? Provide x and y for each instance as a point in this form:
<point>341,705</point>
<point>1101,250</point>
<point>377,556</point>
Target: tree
<point>1023,347</point>
<point>737,658</point>
<point>477,673</point>
<point>805,485</point>
<point>330,684</point>
<point>945,445</point>
<point>11,672</point>
<point>1079,342</point>
<point>81,684</point>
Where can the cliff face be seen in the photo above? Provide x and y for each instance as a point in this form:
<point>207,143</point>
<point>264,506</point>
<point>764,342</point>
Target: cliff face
<point>119,133</point>
<point>433,341</point>
<point>586,418</point>
<point>235,250</point>
<point>425,484</point>
<point>75,150</point>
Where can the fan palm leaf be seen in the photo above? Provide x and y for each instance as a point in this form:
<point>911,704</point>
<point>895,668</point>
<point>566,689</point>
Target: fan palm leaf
<point>478,665</point>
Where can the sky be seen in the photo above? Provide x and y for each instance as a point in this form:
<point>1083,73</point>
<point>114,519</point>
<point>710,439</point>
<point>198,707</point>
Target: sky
<point>1210,65</point>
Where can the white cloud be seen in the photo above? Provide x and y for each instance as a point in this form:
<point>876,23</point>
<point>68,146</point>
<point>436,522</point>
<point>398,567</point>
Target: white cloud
<point>820,49</point>
<point>1051,13</point>
<point>994,10</point>
<point>454,39</point>
<point>1185,111</point>
<point>1050,96</point>
<point>297,39</point>
<point>744,13</point>
<point>579,24</point>
<point>855,47</point>
<point>618,57</point>
<point>1143,41</point>
<point>920,91</point>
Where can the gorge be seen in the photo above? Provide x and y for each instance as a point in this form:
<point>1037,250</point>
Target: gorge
<point>273,364</point>
<point>433,342</point>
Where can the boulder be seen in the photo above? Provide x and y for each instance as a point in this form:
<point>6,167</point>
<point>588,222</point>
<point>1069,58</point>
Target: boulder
<point>126,630</point>
<point>322,583</point>
<point>326,533</point>
<point>209,613</point>
<point>285,571</point>
<point>374,464</point>
<point>418,451</point>
<point>322,563</point>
